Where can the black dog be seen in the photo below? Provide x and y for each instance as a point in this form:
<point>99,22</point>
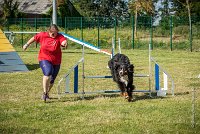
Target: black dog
<point>122,73</point>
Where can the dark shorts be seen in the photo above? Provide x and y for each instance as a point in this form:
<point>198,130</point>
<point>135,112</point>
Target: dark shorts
<point>49,69</point>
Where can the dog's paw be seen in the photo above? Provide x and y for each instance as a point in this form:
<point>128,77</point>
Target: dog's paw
<point>130,99</point>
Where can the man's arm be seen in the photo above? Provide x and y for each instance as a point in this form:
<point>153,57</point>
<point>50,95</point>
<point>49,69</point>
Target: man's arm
<point>64,44</point>
<point>28,43</point>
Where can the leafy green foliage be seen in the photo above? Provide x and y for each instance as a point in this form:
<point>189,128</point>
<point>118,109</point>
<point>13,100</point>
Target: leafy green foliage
<point>65,9</point>
<point>181,10</point>
<point>105,8</point>
<point>10,9</point>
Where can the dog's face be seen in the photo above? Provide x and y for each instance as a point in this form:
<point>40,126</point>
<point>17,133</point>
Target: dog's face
<point>123,73</point>
<point>122,69</point>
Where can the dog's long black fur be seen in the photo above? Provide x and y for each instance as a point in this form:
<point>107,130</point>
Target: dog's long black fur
<point>122,73</point>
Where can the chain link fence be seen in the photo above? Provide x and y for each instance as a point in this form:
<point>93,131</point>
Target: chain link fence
<point>170,33</point>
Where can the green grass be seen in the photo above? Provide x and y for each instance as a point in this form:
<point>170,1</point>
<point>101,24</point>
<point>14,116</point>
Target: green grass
<point>23,111</point>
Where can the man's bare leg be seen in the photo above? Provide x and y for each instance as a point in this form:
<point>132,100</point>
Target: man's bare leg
<point>46,85</point>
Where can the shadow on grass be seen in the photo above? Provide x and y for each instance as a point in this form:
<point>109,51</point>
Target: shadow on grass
<point>181,93</point>
<point>80,97</point>
<point>136,97</point>
<point>18,129</point>
<point>32,66</point>
<point>86,97</point>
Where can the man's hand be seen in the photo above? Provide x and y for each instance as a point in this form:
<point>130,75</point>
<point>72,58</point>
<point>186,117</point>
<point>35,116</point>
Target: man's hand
<point>64,44</point>
<point>25,47</point>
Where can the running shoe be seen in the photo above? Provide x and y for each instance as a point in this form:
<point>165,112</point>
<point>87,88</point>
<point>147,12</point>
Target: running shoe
<point>45,97</point>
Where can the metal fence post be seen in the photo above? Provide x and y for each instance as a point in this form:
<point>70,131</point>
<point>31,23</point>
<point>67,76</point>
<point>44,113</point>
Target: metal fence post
<point>115,31</point>
<point>191,35</point>
<point>65,25</point>
<point>98,34</point>
<point>171,26</point>
<point>22,40</point>
<point>81,28</point>
<point>36,30</point>
<point>8,27</point>
<point>133,40</point>
<point>151,33</point>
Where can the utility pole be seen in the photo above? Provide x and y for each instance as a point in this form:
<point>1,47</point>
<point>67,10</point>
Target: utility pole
<point>54,15</point>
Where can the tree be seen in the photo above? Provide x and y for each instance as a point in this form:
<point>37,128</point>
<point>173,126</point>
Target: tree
<point>140,7</point>
<point>180,6</point>
<point>64,9</point>
<point>164,12</point>
<point>88,8</point>
<point>10,9</point>
<point>187,4</point>
<point>102,8</point>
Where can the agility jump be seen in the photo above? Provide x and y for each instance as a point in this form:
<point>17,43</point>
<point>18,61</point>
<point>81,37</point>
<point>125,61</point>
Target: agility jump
<point>75,70</point>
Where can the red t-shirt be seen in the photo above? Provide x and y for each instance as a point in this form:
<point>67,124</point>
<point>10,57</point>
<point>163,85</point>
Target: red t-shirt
<point>50,47</point>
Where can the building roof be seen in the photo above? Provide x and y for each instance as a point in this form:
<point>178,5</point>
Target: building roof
<point>32,6</point>
<point>39,7</point>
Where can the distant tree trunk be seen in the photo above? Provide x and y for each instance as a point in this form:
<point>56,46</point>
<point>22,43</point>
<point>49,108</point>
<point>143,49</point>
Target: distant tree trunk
<point>190,23</point>
<point>135,28</point>
<point>140,6</point>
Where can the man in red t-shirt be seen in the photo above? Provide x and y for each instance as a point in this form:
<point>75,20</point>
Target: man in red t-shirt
<point>49,55</point>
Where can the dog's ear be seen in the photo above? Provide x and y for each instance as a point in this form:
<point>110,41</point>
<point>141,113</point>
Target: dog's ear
<point>131,68</point>
<point>116,65</point>
<point>110,64</point>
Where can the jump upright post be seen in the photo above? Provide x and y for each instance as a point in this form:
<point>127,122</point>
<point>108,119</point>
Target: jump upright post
<point>75,70</point>
<point>166,79</point>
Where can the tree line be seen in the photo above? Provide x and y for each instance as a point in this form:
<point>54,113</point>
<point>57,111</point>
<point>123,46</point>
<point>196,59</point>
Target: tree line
<point>158,9</point>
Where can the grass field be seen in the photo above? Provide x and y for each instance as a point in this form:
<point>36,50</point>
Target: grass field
<point>23,111</point>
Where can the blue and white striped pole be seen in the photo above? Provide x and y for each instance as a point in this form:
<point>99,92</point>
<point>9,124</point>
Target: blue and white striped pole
<point>157,81</point>
<point>76,79</point>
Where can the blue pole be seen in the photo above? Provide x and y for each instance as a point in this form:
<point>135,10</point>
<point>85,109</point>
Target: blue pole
<point>76,79</point>
<point>157,83</point>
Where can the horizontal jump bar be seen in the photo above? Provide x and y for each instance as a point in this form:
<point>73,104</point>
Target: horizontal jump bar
<point>22,32</point>
<point>116,91</point>
<point>97,76</point>
<point>135,75</point>
<point>108,91</point>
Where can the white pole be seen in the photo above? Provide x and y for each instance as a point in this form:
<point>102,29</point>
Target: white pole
<point>54,15</point>
<point>119,46</point>
<point>150,69</point>
<point>193,107</point>
<point>113,48</point>
<point>165,80</point>
<point>83,69</point>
